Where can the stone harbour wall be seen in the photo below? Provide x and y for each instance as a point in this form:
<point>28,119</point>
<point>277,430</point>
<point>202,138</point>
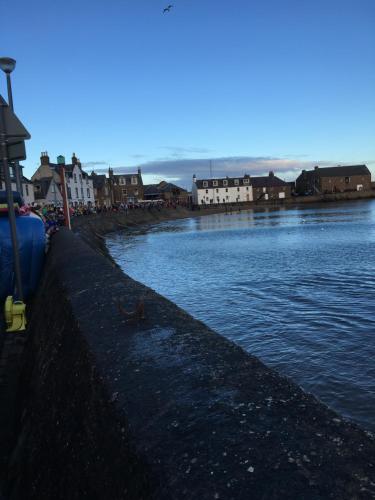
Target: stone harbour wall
<point>114,406</point>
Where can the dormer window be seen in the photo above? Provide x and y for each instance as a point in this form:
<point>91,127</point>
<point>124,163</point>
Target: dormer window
<point>121,181</point>
<point>205,184</point>
<point>236,182</point>
<point>215,183</point>
<point>225,182</point>
<point>246,181</point>
<point>134,180</point>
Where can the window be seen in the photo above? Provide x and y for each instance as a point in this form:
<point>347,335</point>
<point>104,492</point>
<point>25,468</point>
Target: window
<point>347,180</point>
<point>134,180</point>
<point>121,181</point>
<point>82,195</point>
<point>225,182</point>
<point>215,183</point>
<point>236,182</point>
<point>226,190</point>
<point>217,190</point>
<point>27,189</point>
<point>69,193</point>
<point>246,181</point>
<point>247,189</point>
<point>206,191</point>
<point>88,193</point>
<point>80,177</point>
<point>238,189</point>
<point>124,192</point>
<point>205,184</point>
<point>75,177</point>
<point>76,192</point>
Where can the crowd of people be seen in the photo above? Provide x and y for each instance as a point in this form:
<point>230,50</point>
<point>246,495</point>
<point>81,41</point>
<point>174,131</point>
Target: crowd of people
<point>53,216</point>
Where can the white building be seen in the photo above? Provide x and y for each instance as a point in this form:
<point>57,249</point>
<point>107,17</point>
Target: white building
<point>47,182</point>
<point>227,190</point>
<point>27,187</point>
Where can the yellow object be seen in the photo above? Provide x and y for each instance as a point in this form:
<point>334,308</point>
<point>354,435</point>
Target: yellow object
<point>15,315</point>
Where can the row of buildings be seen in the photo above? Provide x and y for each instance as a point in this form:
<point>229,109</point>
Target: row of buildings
<point>316,182</point>
<point>45,186</point>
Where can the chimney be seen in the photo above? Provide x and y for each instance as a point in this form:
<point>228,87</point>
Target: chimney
<point>271,174</point>
<point>74,159</point>
<point>139,170</point>
<point>194,178</point>
<point>44,158</point>
<point>316,167</point>
<point>110,172</point>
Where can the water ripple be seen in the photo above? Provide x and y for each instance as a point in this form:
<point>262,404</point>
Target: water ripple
<point>295,287</point>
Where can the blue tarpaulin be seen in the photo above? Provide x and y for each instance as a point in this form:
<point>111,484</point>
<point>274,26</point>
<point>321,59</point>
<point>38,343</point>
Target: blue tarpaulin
<point>31,243</point>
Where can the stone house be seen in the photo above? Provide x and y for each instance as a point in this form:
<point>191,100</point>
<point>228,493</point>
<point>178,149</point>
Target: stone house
<point>338,179</point>
<point>270,187</point>
<point>102,190</point>
<point>125,188</point>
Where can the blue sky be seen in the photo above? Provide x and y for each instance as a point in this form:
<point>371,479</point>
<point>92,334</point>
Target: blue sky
<point>251,85</point>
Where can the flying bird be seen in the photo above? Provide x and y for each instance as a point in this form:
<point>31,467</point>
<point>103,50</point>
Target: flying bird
<point>167,9</point>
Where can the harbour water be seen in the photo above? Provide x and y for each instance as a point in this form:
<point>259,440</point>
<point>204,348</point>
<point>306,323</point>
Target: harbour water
<point>295,287</point>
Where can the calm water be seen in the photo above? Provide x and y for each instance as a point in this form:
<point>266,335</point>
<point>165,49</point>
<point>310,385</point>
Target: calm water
<point>295,287</point>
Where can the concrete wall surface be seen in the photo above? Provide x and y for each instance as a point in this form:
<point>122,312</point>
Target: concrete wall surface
<point>112,406</point>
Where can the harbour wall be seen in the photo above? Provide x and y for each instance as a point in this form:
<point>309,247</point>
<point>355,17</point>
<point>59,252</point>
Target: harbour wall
<point>113,405</point>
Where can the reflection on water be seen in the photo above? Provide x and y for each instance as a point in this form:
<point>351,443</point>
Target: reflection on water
<point>295,287</point>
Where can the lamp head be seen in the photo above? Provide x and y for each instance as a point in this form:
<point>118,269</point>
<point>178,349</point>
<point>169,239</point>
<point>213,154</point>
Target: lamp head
<point>7,64</point>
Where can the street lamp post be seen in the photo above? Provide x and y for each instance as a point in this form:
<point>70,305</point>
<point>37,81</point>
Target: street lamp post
<point>7,64</point>
<point>10,203</point>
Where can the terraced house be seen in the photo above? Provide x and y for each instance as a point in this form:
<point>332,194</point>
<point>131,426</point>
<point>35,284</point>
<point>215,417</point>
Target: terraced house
<point>217,191</point>
<point>270,187</point>
<point>125,188</point>
<point>47,182</point>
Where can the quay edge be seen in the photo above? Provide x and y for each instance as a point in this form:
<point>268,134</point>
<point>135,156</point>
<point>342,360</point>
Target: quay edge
<point>160,408</point>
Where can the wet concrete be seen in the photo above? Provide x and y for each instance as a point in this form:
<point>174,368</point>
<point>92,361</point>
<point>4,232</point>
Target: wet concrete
<point>162,408</point>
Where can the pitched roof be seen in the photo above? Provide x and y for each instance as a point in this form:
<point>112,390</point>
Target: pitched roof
<point>44,184</point>
<point>257,182</point>
<point>162,187</point>
<point>269,181</point>
<point>226,182</point>
<point>68,169</point>
<point>339,171</point>
<point>345,170</point>
<point>98,181</point>
<point>151,189</point>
